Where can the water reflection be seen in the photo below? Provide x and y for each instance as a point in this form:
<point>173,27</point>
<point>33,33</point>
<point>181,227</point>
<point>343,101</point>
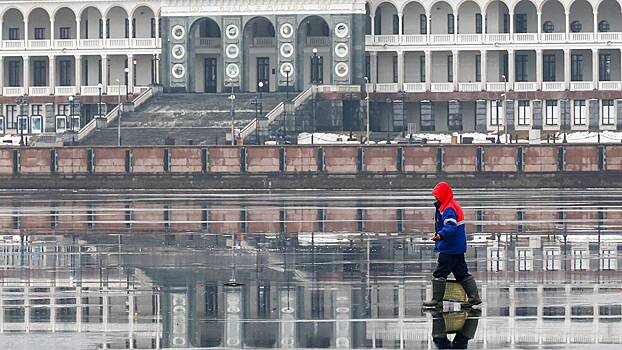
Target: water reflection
<point>325,270</point>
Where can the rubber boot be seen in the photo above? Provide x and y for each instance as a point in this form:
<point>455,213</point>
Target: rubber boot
<point>470,287</point>
<point>438,292</point>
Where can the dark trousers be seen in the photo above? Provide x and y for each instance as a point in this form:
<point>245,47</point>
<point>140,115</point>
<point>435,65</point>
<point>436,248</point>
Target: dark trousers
<point>451,263</point>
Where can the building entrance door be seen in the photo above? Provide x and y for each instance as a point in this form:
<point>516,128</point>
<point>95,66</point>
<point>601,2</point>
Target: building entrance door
<point>263,73</point>
<point>211,77</point>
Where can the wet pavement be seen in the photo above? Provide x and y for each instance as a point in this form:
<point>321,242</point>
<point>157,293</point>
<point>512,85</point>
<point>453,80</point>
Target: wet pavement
<point>304,269</point>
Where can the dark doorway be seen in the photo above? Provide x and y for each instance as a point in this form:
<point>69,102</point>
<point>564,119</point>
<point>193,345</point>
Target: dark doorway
<point>263,74</point>
<point>211,77</point>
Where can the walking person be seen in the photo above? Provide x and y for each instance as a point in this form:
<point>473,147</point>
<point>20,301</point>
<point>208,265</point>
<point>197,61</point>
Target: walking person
<point>450,244</point>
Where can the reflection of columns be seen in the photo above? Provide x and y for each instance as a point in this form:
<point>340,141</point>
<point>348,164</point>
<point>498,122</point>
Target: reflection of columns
<point>130,73</point>
<point>511,75</point>
<point>482,69</point>
<point>539,25</point>
<point>373,62</point>
<point>26,69</point>
<point>400,67</point>
<point>104,70</point>
<point>343,309</point>
<point>595,64</point>
<point>567,68</point>
<point>455,71</point>
<point>78,69</point>
<point>156,21</point>
<point>52,71</point>
<point>539,68</point>
<point>233,327</point>
<point>428,70</point>
<point>287,316</point>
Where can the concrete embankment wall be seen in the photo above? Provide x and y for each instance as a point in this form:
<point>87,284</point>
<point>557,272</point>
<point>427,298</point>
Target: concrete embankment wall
<point>305,166</point>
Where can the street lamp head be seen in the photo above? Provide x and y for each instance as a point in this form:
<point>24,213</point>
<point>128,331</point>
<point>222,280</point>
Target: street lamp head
<point>260,84</point>
<point>100,86</point>
<point>366,79</point>
<point>134,61</point>
<point>315,50</point>
<point>126,70</point>
<point>71,98</point>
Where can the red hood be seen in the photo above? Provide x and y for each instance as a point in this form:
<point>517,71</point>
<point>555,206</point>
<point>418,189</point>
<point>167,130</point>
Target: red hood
<point>444,194</point>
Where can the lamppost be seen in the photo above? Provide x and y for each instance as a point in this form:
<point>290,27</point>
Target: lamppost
<point>100,86</point>
<point>22,101</point>
<point>367,109</point>
<point>71,98</point>
<point>232,112</point>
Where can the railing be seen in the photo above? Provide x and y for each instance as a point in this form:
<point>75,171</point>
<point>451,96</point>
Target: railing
<point>13,44</point>
<point>387,87</point>
<point>90,91</point>
<point>442,87</point>
<point>525,86</point>
<point>65,43</point>
<point>369,88</point>
<point>581,86</point>
<point>263,42</point>
<point>442,38</point>
<point>140,89</point>
<point>610,36</point>
<point>65,90</point>
<point>117,90</point>
<point>13,91</point>
<point>414,87</point>
<point>497,38</point>
<point>117,43</point>
<point>318,41</point>
<point>525,37</point>
<point>38,44</point>
<point>91,43</point>
<point>144,42</point>
<point>338,88</point>
<point>497,86</point>
<point>581,36</point>
<point>209,43</point>
<point>410,39</point>
<point>112,115</point>
<point>470,87</point>
<point>469,38</point>
<point>609,85</point>
<point>553,86</point>
<point>553,36</point>
<point>39,90</point>
<point>382,39</point>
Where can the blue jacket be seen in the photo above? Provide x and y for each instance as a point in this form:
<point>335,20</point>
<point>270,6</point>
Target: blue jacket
<point>453,233</point>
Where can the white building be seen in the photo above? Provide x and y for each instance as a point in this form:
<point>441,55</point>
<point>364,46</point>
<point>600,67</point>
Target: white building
<point>465,65</point>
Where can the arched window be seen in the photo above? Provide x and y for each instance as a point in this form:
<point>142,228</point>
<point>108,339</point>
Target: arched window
<point>603,26</point>
<point>575,26</point>
<point>548,27</point>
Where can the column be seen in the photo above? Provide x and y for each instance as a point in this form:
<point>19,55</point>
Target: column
<point>539,25</point>
<point>78,70</point>
<point>52,31</point>
<point>373,62</point>
<point>130,74</point>
<point>400,17</point>
<point>25,32</point>
<point>428,70</point>
<point>26,77</point>
<point>595,16</point>
<point>511,75</point>
<point>455,70</point>
<point>78,28</point>
<point>428,27</point>
<point>511,25</point>
<point>157,69</point>
<point>130,28</point>
<point>484,23</point>
<point>104,28</point>
<point>567,34</point>
<point>483,68</point>
<point>567,68</point>
<point>595,66</point>
<point>456,26</point>
<point>156,19</point>
<point>1,26</point>
<point>373,23</point>
<point>539,68</point>
<point>400,67</point>
<point>52,71</point>
<point>104,69</point>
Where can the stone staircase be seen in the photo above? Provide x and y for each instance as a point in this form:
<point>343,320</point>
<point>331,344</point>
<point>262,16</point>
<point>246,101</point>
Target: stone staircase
<point>184,118</point>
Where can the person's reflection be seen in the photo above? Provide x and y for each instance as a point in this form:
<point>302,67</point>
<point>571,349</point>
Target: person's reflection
<point>462,323</point>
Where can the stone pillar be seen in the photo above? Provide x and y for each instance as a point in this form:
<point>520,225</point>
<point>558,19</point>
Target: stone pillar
<point>539,25</point>
<point>567,34</point>
<point>400,67</point>
<point>78,72</point>
<point>595,68</point>
<point>455,26</point>
<point>567,68</point>
<point>511,25</point>
<point>373,62</point>
<point>104,28</point>
<point>156,20</point>
<point>428,27</point>
<point>52,71</point>
<point>595,16</point>
<point>428,70</point>
<point>25,31</point>
<point>78,28</point>
<point>484,23</point>
<point>511,75</point>
<point>400,17</point>
<point>483,69</point>
<point>373,23</point>
<point>427,118</point>
<point>539,69</point>
<point>455,70</point>
<point>130,28</point>
<point>104,69</point>
<point>26,69</point>
<point>130,74</point>
<point>52,31</point>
